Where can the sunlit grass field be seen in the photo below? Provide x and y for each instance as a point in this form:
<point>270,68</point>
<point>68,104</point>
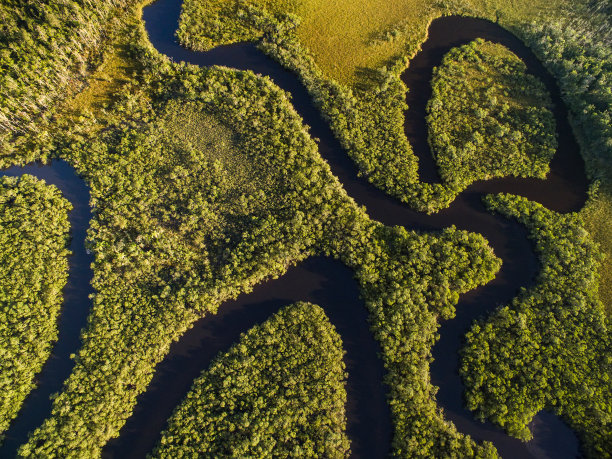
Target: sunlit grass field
<point>347,36</point>
<point>598,219</point>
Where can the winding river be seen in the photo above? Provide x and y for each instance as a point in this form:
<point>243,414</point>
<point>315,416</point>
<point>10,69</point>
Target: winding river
<point>327,282</point>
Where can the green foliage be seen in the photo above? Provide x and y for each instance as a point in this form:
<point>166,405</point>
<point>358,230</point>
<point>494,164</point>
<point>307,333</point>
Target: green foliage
<point>487,117</point>
<point>210,23</point>
<point>184,222</point>
<point>368,120</point>
<point>33,271</point>
<point>577,51</point>
<point>352,38</point>
<point>368,124</point>
<point>278,392</point>
<point>551,347</point>
<point>408,282</point>
<point>46,50</point>
<point>176,232</point>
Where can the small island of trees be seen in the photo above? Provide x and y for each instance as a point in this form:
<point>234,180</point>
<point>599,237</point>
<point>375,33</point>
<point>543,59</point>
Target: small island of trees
<point>206,181</point>
<point>488,118</point>
<point>278,392</point>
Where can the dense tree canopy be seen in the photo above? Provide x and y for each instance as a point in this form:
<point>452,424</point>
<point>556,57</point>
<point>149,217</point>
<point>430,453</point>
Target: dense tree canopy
<point>278,392</point>
<point>176,232</point>
<point>577,50</point>
<point>33,271</point>
<point>487,117</point>
<point>551,348</point>
<point>410,281</point>
<point>183,222</point>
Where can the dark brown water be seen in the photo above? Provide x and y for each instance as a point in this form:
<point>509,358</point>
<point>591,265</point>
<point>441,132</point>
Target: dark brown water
<point>319,280</point>
<point>75,309</point>
<point>330,284</point>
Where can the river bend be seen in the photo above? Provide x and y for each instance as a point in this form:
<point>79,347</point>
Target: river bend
<point>327,282</point>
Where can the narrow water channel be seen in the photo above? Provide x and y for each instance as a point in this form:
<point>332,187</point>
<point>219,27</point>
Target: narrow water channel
<point>75,308</point>
<point>327,282</point>
<point>319,280</point>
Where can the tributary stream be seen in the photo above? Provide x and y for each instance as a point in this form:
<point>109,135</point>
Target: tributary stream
<point>327,282</point>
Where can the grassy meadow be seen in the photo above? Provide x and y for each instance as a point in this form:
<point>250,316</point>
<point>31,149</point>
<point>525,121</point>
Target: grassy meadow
<point>350,37</point>
<point>202,190</point>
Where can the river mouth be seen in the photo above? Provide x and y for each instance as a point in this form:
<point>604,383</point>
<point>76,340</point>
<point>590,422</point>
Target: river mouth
<point>330,284</point>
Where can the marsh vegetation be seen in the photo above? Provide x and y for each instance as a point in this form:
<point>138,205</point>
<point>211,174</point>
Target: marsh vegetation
<point>205,182</point>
